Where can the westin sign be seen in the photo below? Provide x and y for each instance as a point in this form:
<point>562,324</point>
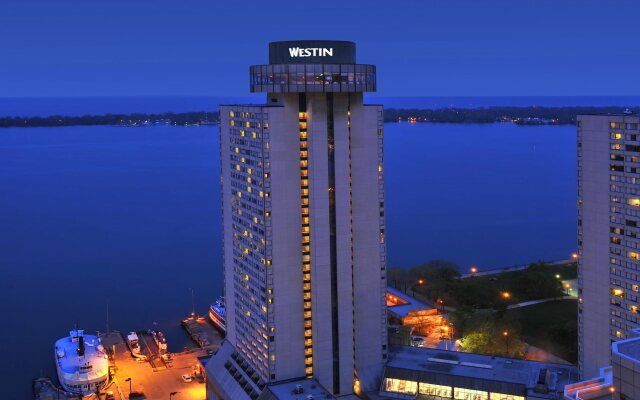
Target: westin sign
<point>312,52</point>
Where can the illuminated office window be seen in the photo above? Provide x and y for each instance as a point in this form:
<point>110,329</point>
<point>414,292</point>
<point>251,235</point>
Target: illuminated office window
<point>468,394</point>
<point>400,386</point>
<point>435,390</point>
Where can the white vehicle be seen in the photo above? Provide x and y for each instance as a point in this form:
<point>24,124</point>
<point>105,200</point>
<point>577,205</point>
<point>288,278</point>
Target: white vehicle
<point>417,341</point>
<point>187,378</point>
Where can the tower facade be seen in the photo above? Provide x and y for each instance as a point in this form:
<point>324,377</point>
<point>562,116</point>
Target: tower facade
<point>303,222</point>
<point>608,235</point>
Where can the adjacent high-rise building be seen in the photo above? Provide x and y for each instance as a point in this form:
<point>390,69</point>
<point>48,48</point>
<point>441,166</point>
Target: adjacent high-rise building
<point>303,222</point>
<point>608,235</point>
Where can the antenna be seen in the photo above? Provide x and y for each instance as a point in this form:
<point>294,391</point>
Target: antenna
<point>108,317</point>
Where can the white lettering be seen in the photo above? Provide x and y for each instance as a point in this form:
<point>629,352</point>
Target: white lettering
<point>311,52</point>
<point>294,51</point>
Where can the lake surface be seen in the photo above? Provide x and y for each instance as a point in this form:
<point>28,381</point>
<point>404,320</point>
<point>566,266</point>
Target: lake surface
<point>130,217</point>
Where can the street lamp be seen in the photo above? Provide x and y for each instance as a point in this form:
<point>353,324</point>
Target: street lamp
<point>129,380</point>
<point>420,281</point>
<point>505,295</point>
<point>172,394</point>
<point>574,256</point>
<point>441,302</point>
<point>473,270</point>
<point>506,335</point>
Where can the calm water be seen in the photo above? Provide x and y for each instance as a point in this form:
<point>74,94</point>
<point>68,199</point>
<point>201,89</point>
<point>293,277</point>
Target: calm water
<point>130,217</point>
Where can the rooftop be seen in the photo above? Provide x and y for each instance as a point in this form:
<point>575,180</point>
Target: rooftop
<point>298,389</point>
<point>404,303</point>
<point>425,364</point>
<point>629,348</point>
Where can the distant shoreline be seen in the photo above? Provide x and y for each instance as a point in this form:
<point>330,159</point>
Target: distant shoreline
<point>517,115</point>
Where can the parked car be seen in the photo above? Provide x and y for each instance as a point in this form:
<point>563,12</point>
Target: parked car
<point>417,341</point>
<point>187,377</point>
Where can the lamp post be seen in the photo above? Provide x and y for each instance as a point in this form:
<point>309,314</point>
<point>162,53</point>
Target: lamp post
<point>193,303</point>
<point>129,380</point>
<point>172,394</point>
<point>451,338</point>
<point>506,336</point>
<point>473,270</point>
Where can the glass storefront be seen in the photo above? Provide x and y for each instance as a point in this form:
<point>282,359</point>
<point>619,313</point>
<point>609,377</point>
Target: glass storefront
<point>502,396</point>
<point>434,390</point>
<point>400,386</point>
<point>429,389</point>
<point>468,394</point>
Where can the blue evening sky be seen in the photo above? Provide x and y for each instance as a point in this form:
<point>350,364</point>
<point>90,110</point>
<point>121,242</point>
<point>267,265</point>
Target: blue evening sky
<point>421,48</point>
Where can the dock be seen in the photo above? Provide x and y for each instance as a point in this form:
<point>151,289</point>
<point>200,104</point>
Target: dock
<point>153,378</point>
<point>203,333</point>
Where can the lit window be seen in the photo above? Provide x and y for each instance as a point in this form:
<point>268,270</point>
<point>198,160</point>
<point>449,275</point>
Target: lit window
<point>634,202</point>
<point>503,396</point>
<point>465,394</point>
<point>400,386</point>
<point>435,390</point>
<point>617,292</point>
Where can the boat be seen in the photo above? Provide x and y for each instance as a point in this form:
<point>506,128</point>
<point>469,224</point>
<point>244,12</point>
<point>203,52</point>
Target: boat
<point>217,315</point>
<point>134,345</point>
<point>161,341</point>
<point>81,363</point>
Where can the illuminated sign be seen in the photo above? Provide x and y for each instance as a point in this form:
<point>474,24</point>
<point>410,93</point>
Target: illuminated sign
<point>311,52</point>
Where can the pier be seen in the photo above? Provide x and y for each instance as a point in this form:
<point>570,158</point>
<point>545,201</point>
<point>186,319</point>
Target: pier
<point>203,333</point>
<point>156,377</point>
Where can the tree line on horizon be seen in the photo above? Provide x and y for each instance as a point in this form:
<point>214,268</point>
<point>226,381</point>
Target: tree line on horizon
<point>532,115</point>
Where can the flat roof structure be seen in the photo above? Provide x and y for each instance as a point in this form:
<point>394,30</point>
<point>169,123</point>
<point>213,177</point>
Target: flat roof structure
<point>628,349</point>
<point>477,372</point>
<point>298,389</point>
<point>404,303</point>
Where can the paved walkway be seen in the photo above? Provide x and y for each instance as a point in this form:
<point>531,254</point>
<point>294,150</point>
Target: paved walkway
<point>512,269</point>
<point>532,302</point>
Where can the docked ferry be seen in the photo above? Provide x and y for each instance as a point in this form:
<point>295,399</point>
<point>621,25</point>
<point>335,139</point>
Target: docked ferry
<point>217,314</point>
<point>81,363</point>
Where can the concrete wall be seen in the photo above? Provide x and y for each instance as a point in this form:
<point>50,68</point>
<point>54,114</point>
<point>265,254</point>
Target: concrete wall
<point>227,233</point>
<point>594,254</point>
<point>287,307</point>
<point>368,243</point>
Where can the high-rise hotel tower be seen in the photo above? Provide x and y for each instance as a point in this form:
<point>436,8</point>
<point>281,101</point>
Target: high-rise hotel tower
<point>303,222</point>
<point>608,235</point>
